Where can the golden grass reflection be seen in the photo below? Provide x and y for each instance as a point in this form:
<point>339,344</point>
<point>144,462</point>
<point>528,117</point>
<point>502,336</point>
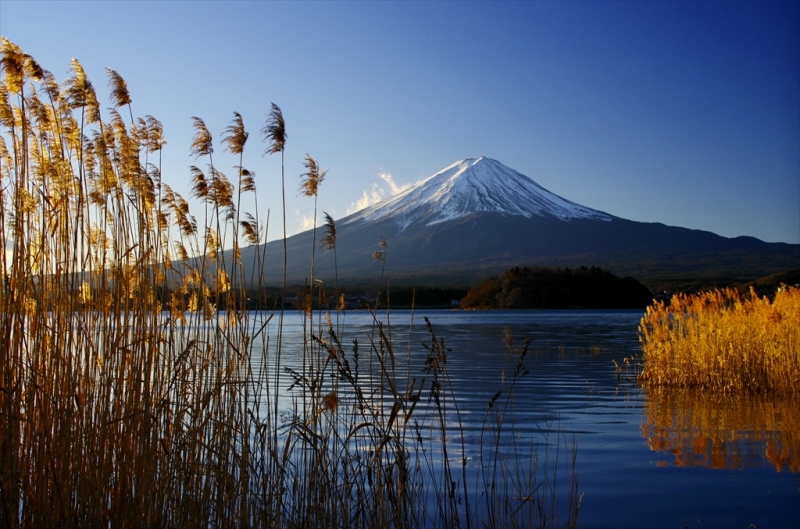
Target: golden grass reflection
<point>723,431</point>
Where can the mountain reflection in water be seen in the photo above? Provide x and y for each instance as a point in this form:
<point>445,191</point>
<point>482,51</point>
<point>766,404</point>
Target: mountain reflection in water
<point>723,431</point>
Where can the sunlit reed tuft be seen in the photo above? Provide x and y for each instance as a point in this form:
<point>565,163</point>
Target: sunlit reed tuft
<point>724,340</point>
<point>119,89</point>
<point>201,142</point>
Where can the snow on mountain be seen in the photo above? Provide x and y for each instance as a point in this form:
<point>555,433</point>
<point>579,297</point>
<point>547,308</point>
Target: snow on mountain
<point>474,185</point>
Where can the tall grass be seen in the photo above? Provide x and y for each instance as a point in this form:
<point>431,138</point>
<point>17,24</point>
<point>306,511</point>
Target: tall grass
<point>135,387</point>
<point>725,341</point>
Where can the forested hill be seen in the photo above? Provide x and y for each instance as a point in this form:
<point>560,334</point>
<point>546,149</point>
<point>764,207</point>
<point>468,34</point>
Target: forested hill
<point>529,288</point>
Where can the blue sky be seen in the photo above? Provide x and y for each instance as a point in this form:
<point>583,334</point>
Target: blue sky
<point>686,113</point>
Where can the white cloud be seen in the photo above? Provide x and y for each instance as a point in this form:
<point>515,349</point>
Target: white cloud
<point>393,187</point>
<point>377,192</point>
<point>306,222</point>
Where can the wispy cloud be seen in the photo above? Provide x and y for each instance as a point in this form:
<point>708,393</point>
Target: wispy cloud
<point>393,187</point>
<point>306,222</point>
<point>377,192</point>
<point>303,222</point>
<point>368,197</point>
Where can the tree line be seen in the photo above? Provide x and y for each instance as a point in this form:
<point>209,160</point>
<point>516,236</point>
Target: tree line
<point>543,288</point>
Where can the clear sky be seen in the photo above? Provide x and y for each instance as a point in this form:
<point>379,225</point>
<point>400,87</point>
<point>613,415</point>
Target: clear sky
<point>685,113</point>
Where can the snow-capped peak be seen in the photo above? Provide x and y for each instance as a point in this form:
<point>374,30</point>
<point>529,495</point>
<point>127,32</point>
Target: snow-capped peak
<point>474,185</point>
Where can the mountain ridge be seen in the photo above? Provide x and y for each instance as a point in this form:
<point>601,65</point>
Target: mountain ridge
<point>466,222</point>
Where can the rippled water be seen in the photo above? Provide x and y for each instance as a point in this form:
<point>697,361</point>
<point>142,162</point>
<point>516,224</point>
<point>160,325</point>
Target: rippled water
<point>645,459</point>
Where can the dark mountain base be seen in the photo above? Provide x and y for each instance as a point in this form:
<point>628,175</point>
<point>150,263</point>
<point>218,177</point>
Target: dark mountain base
<point>467,250</point>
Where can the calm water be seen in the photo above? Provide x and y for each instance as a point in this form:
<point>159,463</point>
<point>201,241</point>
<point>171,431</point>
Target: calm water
<point>657,459</point>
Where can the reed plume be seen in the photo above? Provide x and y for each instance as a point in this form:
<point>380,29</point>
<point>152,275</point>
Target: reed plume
<point>275,131</point>
<point>380,255</point>
<point>311,179</point>
<point>13,64</point>
<point>119,89</point>
<point>328,242</point>
<point>235,136</point>
<point>120,96</point>
<point>234,140</point>
<point>202,144</point>
<point>155,135</point>
<point>80,93</point>
<point>309,186</point>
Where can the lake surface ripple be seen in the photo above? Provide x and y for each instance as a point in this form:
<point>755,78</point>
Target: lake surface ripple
<point>645,458</point>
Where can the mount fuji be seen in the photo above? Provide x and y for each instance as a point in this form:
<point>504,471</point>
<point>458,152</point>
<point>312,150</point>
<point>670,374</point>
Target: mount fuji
<point>473,186</point>
<point>477,218</point>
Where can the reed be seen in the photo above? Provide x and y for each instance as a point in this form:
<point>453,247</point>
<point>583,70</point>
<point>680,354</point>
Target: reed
<point>723,341</point>
<point>136,389</point>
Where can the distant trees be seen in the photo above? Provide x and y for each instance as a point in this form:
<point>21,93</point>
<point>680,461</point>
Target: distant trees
<point>529,288</point>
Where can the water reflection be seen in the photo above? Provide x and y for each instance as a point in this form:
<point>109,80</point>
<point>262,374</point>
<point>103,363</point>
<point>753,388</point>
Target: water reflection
<point>723,431</point>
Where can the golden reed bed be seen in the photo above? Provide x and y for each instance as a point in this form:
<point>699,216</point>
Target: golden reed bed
<point>723,340</point>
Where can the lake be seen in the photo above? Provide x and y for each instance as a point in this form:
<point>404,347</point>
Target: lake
<point>645,457</point>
